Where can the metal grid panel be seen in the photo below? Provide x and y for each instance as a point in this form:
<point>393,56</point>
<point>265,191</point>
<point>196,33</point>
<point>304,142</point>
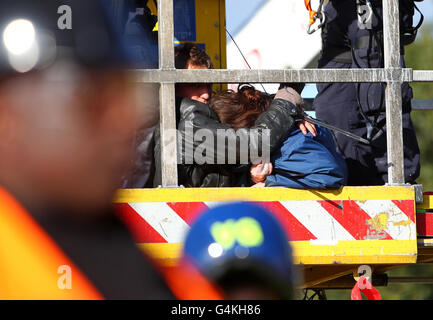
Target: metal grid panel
<point>392,74</point>
<point>167,114</point>
<point>273,76</point>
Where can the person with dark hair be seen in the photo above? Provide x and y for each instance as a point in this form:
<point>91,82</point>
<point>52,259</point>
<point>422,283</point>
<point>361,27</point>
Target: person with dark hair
<point>302,161</point>
<point>229,151</point>
<point>194,115</point>
<point>187,56</point>
<point>191,56</point>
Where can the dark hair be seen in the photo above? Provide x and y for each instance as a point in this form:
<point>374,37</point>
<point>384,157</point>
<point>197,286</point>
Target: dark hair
<point>190,53</point>
<point>242,108</point>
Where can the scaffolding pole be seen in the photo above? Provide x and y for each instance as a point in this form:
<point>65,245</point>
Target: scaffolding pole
<point>392,74</point>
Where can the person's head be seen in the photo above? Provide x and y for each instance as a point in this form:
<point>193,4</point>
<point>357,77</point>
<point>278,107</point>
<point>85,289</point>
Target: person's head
<point>191,56</point>
<point>241,108</point>
<point>242,248</point>
<point>67,112</point>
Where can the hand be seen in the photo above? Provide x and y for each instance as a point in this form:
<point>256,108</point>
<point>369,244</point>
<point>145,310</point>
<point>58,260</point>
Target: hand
<point>306,127</point>
<point>292,96</point>
<point>260,171</point>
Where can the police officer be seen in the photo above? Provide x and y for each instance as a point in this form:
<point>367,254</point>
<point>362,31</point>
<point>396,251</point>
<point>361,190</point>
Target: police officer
<point>242,249</point>
<point>352,37</point>
<point>67,119</point>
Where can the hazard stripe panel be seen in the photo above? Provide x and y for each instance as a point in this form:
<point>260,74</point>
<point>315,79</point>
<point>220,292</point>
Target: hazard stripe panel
<point>351,225</point>
<point>296,230</point>
<point>357,223</point>
<point>139,228</point>
<point>163,219</point>
<point>313,216</point>
<point>188,211</point>
<point>389,217</point>
<point>321,221</point>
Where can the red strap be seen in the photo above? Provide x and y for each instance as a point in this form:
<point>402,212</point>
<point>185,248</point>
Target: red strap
<point>364,286</point>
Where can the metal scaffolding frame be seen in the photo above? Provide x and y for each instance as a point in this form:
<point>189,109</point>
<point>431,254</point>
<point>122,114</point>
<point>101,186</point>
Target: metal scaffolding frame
<point>392,74</point>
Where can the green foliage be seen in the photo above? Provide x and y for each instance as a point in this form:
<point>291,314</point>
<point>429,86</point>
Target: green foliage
<point>419,56</point>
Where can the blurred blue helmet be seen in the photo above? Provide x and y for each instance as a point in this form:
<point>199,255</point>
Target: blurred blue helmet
<point>241,243</point>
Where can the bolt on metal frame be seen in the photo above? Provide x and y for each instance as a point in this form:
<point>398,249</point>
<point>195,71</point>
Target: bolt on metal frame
<point>392,74</point>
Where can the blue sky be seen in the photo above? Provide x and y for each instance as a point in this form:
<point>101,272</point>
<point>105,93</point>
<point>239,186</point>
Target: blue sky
<point>426,8</point>
<point>239,11</point>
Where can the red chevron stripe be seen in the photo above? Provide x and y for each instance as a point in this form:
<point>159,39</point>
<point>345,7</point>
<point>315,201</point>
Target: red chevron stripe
<point>353,219</point>
<point>295,230</point>
<point>347,213</point>
<point>407,206</point>
<point>188,211</point>
<point>140,229</point>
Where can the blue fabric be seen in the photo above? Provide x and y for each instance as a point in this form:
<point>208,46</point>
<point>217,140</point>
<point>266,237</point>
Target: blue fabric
<point>305,162</point>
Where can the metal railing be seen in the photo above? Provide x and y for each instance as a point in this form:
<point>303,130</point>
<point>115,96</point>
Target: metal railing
<point>392,74</point>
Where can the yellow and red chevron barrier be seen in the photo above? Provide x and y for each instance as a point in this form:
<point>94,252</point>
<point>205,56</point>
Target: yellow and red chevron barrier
<point>352,225</point>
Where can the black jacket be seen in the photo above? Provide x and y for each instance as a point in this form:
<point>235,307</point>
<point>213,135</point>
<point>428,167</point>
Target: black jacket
<point>106,253</point>
<point>194,116</point>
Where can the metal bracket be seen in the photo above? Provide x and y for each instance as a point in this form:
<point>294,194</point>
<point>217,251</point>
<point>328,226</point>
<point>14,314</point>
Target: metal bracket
<point>418,193</point>
<point>357,274</point>
<point>170,187</point>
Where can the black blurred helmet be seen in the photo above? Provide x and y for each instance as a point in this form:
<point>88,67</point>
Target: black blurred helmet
<point>36,33</point>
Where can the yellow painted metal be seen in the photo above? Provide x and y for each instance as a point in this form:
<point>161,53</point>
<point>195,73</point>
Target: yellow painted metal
<point>210,22</point>
<point>427,202</point>
<point>305,252</point>
<point>355,252</point>
<point>344,252</point>
<point>262,194</point>
<point>166,254</point>
<point>210,31</point>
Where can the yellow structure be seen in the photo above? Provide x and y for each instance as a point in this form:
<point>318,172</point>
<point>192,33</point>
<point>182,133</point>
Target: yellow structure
<point>335,231</point>
<point>210,28</point>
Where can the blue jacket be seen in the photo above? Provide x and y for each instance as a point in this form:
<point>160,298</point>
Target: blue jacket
<point>305,162</point>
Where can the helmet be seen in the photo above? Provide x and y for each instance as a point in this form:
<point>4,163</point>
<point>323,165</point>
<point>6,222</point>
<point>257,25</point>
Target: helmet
<point>35,34</point>
<point>239,244</point>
